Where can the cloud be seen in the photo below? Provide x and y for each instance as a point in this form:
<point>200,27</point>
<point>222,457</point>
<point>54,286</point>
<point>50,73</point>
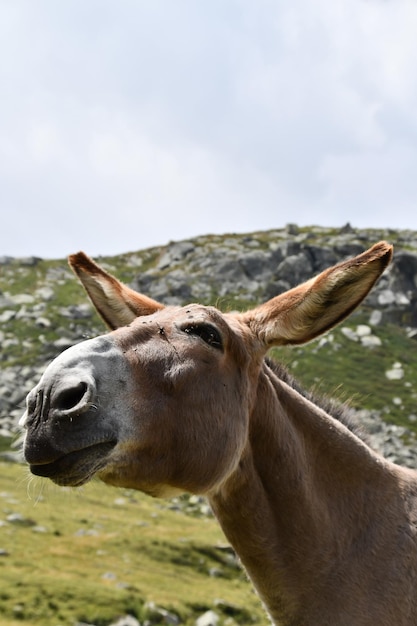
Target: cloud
<point>129,124</point>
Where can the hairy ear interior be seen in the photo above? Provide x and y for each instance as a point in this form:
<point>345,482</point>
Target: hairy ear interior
<point>314,307</point>
<point>117,304</point>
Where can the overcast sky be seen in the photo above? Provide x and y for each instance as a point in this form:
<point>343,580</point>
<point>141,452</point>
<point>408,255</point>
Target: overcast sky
<point>129,123</point>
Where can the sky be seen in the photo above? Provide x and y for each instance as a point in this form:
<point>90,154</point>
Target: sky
<point>126,124</point>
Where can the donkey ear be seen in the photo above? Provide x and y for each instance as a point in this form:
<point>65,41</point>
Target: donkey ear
<point>117,304</point>
<point>314,307</point>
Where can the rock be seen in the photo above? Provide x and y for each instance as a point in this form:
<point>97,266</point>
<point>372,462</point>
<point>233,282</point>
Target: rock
<point>209,618</point>
<point>6,316</point>
<point>370,341</point>
<point>5,301</point>
<point>363,330</point>
<point>76,312</point>
<point>29,261</point>
<point>293,269</point>
<point>375,317</point>
<point>162,615</point>
<point>347,228</point>
<point>215,572</point>
<point>43,322</point>
<point>386,297</point>
<point>174,253</point>
<point>237,613</point>
<point>349,333</point>
<point>292,229</point>
<point>396,373</point>
<point>19,520</point>
<point>45,293</point>
<point>126,620</point>
<point>322,257</point>
<point>23,298</point>
<point>39,529</point>
<point>257,266</point>
<point>63,342</point>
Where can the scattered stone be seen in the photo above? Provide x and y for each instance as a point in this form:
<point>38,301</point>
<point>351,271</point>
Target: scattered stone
<point>30,261</point>
<point>349,333</point>
<point>126,620</point>
<point>45,293</point>
<point>86,532</point>
<point>370,341</point>
<point>63,343</point>
<point>209,618</point>
<point>240,614</point>
<point>23,298</point>
<point>39,529</point>
<point>5,301</point>
<point>396,373</point>
<point>6,316</point>
<point>76,312</point>
<point>19,520</point>
<point>43,322</point>
<point>216,572</point>
<point>375,317</point>
<point>362,333</point>
<point>386,297</point>
<point>292,229</point>
<point>362,330</point>
<point>174,253</point>
<point>159,613</point>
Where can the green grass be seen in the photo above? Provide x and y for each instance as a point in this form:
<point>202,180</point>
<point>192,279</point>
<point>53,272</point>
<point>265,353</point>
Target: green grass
<point>346,370</point>
<point>93,554</point>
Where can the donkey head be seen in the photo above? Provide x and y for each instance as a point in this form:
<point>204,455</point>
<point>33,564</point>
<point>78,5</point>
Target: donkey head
<point>162,403</point>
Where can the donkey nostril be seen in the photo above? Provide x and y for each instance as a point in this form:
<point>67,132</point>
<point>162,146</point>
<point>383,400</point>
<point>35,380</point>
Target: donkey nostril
<point>69,398</point>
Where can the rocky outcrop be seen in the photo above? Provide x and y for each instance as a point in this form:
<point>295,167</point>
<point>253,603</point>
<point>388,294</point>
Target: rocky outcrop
<point>260,266</point>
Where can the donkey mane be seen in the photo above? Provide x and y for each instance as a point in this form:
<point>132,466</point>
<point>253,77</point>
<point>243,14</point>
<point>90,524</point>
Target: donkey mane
<point>341,411</point>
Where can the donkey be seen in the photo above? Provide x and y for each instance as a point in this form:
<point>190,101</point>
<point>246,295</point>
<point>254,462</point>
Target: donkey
<point>182,399</point>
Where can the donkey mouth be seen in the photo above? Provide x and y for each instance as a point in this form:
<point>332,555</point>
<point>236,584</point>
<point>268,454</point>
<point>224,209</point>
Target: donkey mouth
<point>77,467</point>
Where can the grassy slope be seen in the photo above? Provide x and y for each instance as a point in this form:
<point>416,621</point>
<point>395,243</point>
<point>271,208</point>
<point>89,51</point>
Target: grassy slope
<point>105,552</point>
<point>346,370</point>
<point>149,552</point>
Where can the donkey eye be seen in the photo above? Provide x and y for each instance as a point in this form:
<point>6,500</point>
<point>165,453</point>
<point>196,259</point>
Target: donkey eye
<point>207,332</point>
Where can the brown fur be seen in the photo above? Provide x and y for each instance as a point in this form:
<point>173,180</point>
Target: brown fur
<point>182,399</point>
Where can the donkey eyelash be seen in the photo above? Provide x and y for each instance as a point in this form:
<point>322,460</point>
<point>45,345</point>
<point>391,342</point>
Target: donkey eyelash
<point>208,333</point>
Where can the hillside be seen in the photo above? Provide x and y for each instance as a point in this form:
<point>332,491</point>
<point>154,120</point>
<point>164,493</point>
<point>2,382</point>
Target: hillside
<point>97,556</point>
<point>370,360</point>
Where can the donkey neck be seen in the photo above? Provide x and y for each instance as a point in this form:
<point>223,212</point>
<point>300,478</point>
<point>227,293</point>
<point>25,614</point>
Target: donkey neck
<point>285,509</point>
